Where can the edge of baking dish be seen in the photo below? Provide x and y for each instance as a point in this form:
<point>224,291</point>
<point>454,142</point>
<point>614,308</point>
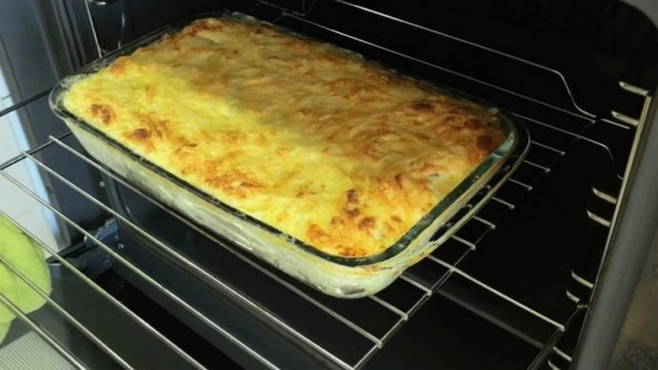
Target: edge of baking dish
<point>438,224</point>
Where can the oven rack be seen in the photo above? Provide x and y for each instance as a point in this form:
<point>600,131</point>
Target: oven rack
<point>410,280</point>
<point>423,287</point>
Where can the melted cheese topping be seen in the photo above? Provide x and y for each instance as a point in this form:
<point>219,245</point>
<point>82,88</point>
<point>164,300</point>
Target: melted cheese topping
<point>308,138</point>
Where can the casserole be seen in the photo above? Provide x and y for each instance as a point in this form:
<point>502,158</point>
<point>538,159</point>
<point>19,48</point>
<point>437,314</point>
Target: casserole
<point>343,193</point>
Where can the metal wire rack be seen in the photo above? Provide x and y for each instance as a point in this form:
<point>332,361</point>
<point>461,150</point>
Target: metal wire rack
<point>371,334</point>
<point>424,288</point>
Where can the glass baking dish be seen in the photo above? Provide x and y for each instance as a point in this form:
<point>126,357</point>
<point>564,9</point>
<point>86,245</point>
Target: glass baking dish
<point>334,275</point>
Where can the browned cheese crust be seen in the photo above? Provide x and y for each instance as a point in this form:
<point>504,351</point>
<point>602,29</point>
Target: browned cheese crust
<point>342,154</point>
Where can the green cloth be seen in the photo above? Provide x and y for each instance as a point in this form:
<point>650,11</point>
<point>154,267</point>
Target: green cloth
<point>26,256</point>
<point>4,328</point>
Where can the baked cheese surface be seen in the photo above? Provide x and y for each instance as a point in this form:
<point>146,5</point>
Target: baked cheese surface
<point>339,153</point>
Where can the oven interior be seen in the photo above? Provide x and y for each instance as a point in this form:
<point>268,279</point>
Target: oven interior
<point>143,286</point>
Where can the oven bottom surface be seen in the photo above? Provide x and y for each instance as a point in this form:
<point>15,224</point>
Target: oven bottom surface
<point>441,334</point>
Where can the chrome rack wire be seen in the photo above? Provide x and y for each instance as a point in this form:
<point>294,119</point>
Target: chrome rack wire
<point>377,341</point>
<point>4,301</point>
<point>44,295</point>
<point>111,299</point>
<point>542,156</point>
<point>130,265</point>
<point>25,102</point>
<point>189,263</point>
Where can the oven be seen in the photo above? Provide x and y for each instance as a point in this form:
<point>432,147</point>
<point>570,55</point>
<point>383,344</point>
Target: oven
<point>556,270</point>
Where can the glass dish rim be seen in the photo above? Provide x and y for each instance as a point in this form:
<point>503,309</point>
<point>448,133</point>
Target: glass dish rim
<point>446,204</point>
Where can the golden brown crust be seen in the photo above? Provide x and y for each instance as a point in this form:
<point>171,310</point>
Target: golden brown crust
<point>103,112</point>
<point>342,154</point>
